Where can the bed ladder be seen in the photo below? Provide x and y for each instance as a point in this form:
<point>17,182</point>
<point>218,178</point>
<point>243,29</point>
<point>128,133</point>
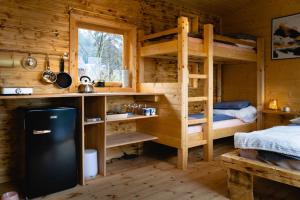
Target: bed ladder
<point>183,80</point>
<point>207,77</point>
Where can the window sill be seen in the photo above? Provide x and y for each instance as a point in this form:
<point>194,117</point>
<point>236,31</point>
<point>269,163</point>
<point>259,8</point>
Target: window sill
<point>113,89</point>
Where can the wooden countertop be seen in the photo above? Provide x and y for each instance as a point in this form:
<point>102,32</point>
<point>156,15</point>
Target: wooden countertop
<point>279,112</point>
<point>74,95</point>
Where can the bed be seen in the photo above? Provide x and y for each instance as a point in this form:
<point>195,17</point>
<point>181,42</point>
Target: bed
<point>271,153</point>
<point>228,118</point>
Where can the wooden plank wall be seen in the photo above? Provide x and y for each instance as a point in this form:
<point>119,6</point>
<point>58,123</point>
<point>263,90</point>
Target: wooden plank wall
<point>282,76</point>
<point>43,27</point>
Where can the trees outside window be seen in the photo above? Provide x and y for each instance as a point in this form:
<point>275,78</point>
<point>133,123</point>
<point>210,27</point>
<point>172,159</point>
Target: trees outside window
<point>100,55</point>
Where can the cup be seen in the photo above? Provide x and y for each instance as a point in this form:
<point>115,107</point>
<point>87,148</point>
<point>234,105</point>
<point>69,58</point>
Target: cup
<point>152,111</point>
<point>146,111</point>
<point>286,109</point>
<point>10,196</point>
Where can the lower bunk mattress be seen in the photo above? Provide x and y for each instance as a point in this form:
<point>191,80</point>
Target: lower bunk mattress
<point>217,125</point>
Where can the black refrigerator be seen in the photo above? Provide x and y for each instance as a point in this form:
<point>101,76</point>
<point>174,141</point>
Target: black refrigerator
<point>51,161</point>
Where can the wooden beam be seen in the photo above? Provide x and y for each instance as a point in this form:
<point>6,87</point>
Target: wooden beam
<point>197,99</point>
<point>208,91</point>
<point>240,185</point>
<point>198,76</point>
<point>197,121</point>
<point>260,82</point>
<point>169,47</point>
<point>219,82</point>
<point>141,66</point>
<point>234,40</point>
<point>183,73</point>
<point>194,70</point>
<point>159,34</point>
<point>195,24</point>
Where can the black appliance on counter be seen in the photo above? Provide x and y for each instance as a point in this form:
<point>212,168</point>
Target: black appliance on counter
<point>51,162</point>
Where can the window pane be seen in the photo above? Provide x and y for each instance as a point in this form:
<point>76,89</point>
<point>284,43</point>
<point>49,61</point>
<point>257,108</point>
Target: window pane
<point>100,55</point>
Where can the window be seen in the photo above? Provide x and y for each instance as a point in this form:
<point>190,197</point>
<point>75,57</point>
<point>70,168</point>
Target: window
<point>100,55</point>
<point>100,48</point>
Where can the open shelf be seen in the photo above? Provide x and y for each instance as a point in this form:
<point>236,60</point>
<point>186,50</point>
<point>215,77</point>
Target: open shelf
<point>133,117</point>
<point>127,138</point>
<point>90,123</point>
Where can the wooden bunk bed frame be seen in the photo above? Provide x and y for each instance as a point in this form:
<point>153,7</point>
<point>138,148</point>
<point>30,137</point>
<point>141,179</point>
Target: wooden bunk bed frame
<point>172,126</point>
<point>241,172</point>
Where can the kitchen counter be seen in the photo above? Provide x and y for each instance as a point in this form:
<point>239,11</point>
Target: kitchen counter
<point>74,95</point>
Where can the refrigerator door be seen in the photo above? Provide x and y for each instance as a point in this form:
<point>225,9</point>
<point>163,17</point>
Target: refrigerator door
<point>51,164</point>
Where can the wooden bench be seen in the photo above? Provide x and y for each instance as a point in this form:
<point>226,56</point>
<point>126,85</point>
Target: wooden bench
<point>241,171</point>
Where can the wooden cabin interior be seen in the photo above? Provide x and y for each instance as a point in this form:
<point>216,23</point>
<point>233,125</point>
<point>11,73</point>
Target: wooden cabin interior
<point>149,99</point>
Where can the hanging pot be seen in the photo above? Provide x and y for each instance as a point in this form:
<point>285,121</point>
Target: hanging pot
<point>64,80</point>
<point>29,62</point>
<point>48,76</point>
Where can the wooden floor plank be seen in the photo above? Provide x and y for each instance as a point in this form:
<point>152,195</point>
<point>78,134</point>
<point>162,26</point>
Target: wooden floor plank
<point>153,178</point>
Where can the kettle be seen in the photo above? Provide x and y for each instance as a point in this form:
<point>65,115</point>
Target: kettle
<point>86,85</point>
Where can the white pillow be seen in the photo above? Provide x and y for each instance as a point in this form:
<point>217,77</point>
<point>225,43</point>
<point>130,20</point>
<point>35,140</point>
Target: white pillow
<point>295,121</point>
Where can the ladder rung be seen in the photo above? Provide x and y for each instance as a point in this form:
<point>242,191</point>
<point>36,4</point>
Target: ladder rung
<point>198,76</point>
<point>197,121</point>
<point>196,99</point>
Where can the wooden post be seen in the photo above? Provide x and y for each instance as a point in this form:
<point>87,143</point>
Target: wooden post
<point>195,70</point>
<point>183,80</point>
<point>195,24</point>
<point>260,82</point>
<point>140,67</point>
<point>81,143</point>
<point>240,185</point>
<point>208,91</point>
<point>219,83</point>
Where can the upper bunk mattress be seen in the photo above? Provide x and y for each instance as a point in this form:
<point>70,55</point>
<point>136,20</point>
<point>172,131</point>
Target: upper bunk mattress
<point>279,139</point>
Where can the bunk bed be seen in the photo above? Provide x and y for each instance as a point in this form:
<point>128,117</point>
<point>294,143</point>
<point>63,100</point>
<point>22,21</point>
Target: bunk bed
<point>173,124</point>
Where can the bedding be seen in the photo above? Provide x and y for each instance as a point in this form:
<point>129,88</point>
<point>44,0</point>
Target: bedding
<point>295,121</point>
<point>247,115</point>
<point>279,139</point>
<point>232,105</point>
<point>216,117</point>
<point>200,36</point>
<point>277,159</point>
<point>216,125</point>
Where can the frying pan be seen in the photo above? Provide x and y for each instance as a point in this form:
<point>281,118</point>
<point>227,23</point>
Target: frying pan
<point>48,76</point>
<point>63,80</point>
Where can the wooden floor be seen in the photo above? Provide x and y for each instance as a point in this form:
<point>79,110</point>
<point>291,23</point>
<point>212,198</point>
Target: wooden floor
<point>154,177</point>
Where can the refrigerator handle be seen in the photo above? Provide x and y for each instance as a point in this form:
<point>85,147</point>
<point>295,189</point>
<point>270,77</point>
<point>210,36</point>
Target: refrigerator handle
<point>41,132</point>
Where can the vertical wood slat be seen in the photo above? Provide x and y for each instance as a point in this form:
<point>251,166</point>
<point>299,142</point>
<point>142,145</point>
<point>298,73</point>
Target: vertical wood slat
<point>141,65</point>
<point>183,80</point>
<point>260,82</point>
<point>81,143</point>
<point>102,140</point>
<point>208,92</point>
<point>195,70</point>
<point>219,83</point>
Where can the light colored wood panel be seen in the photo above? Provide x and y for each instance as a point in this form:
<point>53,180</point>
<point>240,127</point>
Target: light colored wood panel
<point>127,138</point>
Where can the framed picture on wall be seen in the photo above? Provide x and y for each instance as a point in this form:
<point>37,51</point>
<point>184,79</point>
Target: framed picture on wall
<point>286,37</point>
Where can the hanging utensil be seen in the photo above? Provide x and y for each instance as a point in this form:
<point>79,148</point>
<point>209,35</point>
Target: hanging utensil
<point>29,62</point>
<point>48,76</point>
<point>64,80</point>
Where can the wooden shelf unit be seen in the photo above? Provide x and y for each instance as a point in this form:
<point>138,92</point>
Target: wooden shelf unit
<point>133,117</point>
<point>96,135</point>
<point>92,123</point>
<point>127,138</point>
<point>279,112</point>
